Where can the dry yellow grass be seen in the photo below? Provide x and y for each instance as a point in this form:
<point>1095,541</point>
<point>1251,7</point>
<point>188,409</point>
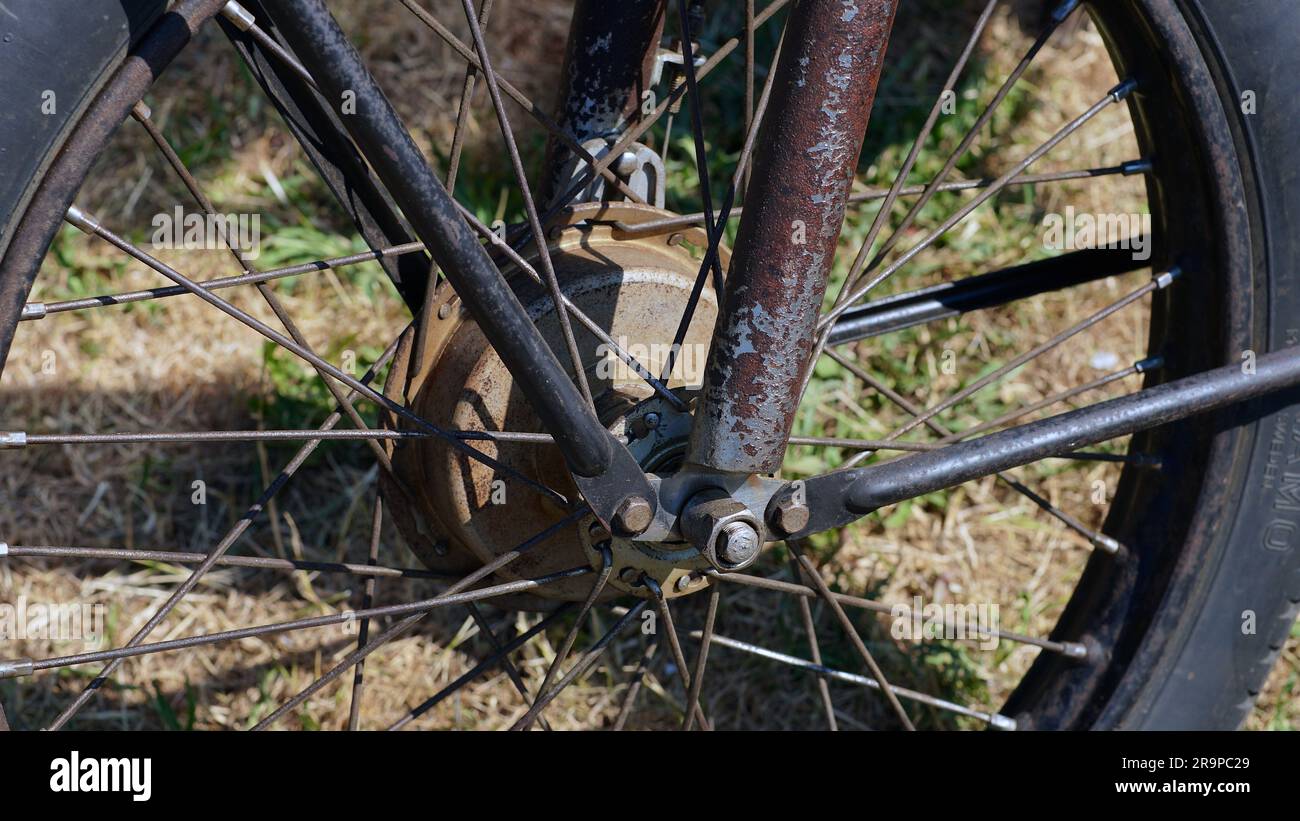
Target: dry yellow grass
<point>186,367</point>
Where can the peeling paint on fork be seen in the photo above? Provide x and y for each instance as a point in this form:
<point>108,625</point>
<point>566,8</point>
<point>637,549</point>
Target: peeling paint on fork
<point>825,85</point>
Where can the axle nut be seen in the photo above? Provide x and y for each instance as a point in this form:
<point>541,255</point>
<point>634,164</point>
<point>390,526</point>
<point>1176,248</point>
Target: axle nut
<point>722,529</point>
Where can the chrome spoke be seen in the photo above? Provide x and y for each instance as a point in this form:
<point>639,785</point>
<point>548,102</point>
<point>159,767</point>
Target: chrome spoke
<point>478,669</point>
<point>702,660</point>
<point>1066,648</point>
<point>1095,537</point>
<point>454,596</point>
<point>218,550</point>
<point>530,207</point>
<point>93,227</point>
<point>367,599</point>
<point>403,626</point>
<point>810,571</point>
<point>815,650</point>
<point>583,665</point>
<point>998,722</point>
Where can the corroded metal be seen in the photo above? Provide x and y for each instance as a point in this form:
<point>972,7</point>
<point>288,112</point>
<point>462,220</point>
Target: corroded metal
<point>460,516</point>
<point>608,67</point>
<point>803,165</point>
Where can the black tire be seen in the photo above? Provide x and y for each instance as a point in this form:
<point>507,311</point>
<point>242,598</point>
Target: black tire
<point>1177,655</point>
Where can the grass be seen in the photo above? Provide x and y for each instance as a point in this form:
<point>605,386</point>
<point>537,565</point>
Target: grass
<point>178,365</point>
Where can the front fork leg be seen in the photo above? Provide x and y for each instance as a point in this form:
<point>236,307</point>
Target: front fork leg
<point>804,161</point>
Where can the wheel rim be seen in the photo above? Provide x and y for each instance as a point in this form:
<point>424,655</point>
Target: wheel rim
<point>1057,669</point>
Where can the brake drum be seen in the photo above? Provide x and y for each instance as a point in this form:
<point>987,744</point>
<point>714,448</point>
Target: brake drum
<point>457,513</point>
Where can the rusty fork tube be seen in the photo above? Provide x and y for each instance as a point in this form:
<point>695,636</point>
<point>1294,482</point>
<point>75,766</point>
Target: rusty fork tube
<point>805,156</point>
<point>608,63</point>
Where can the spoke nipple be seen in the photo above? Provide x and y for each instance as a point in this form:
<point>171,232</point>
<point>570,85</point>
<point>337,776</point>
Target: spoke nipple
<point>1165,279</point>
<point>1123,90</point>
<point>4,548</point>
<point>82,220</point>
<point>16,668</point>
<point>1063,11</point>
<point>141,111</point>
<point>1106,543</point>
<point>1074,650</point>
<point>34,310</point>
<point>1151,363</point>
<point>13,439</point>
<point>237,14</point>
<point>1001,722</point>
<point>1137,167</point>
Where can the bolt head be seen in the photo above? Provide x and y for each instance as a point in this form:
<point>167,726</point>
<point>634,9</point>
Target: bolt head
<point>788,516</point>
<point>634,515</point>
<point>738,543</point>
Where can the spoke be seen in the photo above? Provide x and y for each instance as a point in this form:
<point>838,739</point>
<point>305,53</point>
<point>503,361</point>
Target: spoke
<point>91,226</point>
<point>39,310</point>
<point>512,672</point>
<point>367,599</point>
<point>474,61</point>
<point>1157,282</point>
<point>1144,366</point>
<point>403,626</point>
<point>250,562</point>
<point>142,116</point>
<point>874,445</point>
<point>852,632</point>
<point>702,660</point>
<point>584,664</point>
<point>1095,537</point>
<point>634,686</point>
<point>219,549</point>
<point>633,134</point>
<point>587,322</point>
<point>19,438</point>
<point>667,225</point>
<point>530,207</point>
<point>991,290</point>
<point>1115,96</point>
<point>478,669</point>
<point>244,21</point>
<point>606,567</point>
<point>466,99</point>
<point>999,722</point>
<point>714,230</point>
<point>910,161</point>
<point>1066,648</point>
<point>674,644</point>
<point>1059,16</point>
<point>815,650</point>
<point>697,133</point>
<point>421,608</point>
